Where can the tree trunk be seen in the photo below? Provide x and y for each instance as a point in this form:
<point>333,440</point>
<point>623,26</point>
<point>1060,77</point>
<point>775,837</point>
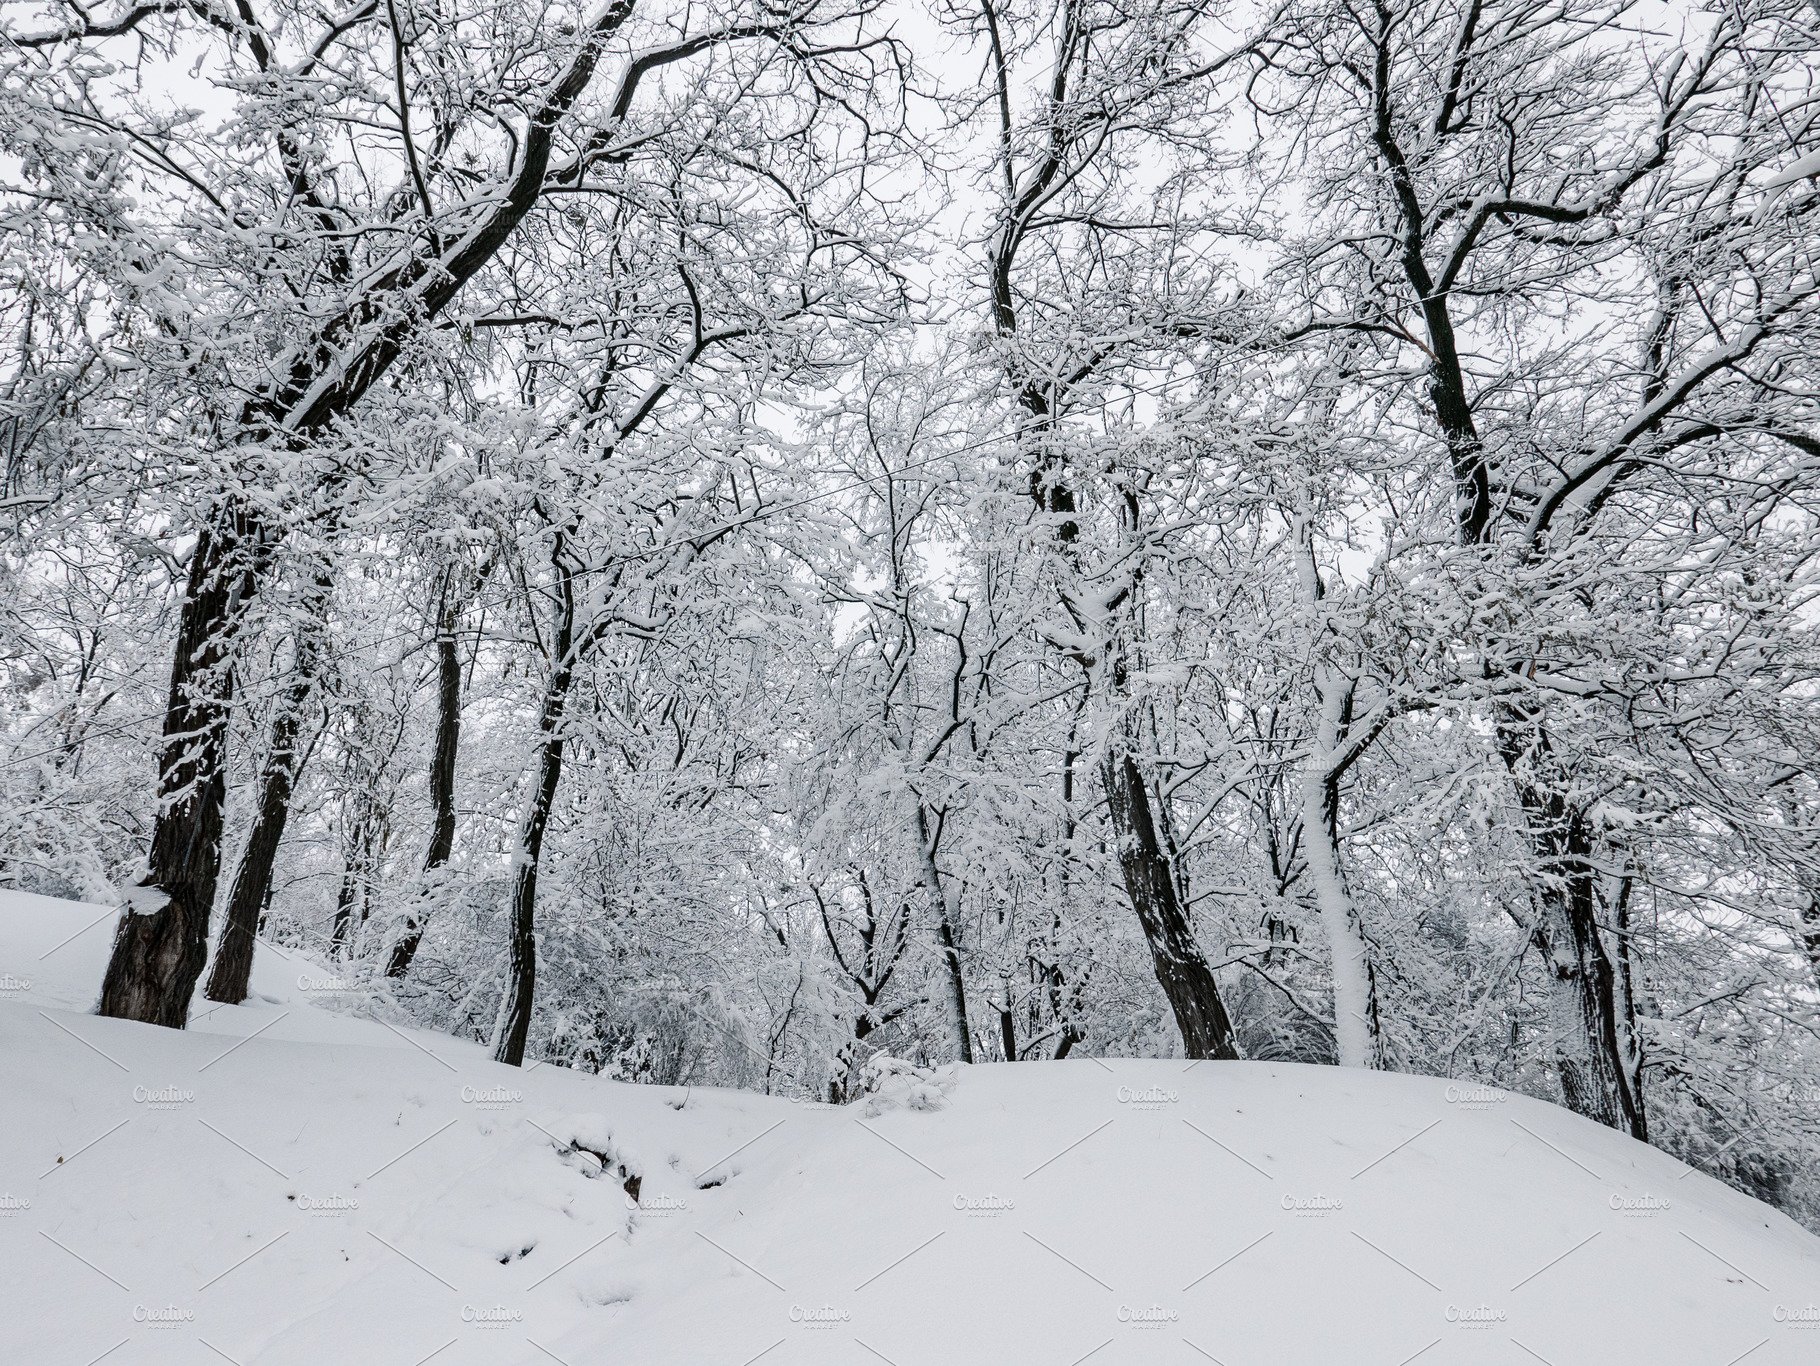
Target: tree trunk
<point>521,987</point>
<point>1591,1055</point>
<point>522,973</point>
<point>955,979</point>
<point>1064,996</point>
<point>1629,1038</point>
<point>1355,1008</point>
<point>1597,1058</point>
<point>161,942</point>
<point>355,878</point>
<point>442,781</point>
<point>231,973</point>
<point>1007,1026</point>
<point>1589,1050</point>
<point>1181,968</point>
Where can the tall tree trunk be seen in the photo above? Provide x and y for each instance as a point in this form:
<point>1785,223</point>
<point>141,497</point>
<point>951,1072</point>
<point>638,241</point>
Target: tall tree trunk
<point>1589,1050</point>
<point>1629,1038</point>
<point>1357,1038</point>
<point>1181,968</point>
<point>522,972</point>
<point>1007,1026</point>
<point>231,973</point>
<point>1807,932</point>
<point>942,913</point>
<point>442,777</point>
<point>521,976</point>
<point>345,901</point>
<point>1155,881</point>
<point>1355,1007</point>
<point>1064,997</point>
<point>1597,1058</point>
<point>161,942</point>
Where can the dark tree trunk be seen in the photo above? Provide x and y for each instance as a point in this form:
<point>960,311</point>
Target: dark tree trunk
<point>1594,1054</point>
<point>442,777</point>
<point>840,1084</point>
<point>953,972</point>
<point>1629,1037</point>
<point>1181,968</point>
<point>231,974</point>
<point>1065,997</point>
<point>1007,1029</point>
<point>521,985</point>
<point>162,939</point>
<point>957,986</point>
<point>1597,1058</point>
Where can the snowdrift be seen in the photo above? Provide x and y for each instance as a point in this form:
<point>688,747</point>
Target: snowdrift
<point>284,1184</point>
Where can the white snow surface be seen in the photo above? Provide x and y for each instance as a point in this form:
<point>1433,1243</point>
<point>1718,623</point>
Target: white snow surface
<point>282,1184</point>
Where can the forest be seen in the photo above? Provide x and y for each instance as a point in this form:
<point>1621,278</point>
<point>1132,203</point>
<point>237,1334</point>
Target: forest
<point>704,541</point>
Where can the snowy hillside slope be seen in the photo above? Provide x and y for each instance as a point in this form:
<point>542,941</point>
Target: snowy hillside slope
<point>282,1184</point>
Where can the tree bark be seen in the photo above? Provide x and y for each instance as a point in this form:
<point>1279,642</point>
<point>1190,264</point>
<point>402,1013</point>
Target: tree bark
<point>161,942</point>
<point>1181,968</point>
<point>1007,1027</point>
<point>442,778</point>
<point>522,972</point>
<point>1355,1008</point>
<point>521,988</point>
<point>359,872</point>
<point>231,973</point>
<point>955,998</point>
<point>1625,996</point>
<point>1597,1057</point>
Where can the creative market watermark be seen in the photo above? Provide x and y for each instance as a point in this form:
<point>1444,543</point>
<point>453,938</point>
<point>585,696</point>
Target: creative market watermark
<point>819,1317</point>
<point>1474,1097</point>
<point>491,1097</point>
<point>310,982</point>
<point>657,1206</point>
<point>1147,1098</point>
<point>163,1097</point>
<point>982,1206</point>
<point>326,1206</point>
<point>1310,1206</point>
<point>163,1317</point>
<point>1146,1318</point>
<point>490,1318</point>
<point>1478,1318</point>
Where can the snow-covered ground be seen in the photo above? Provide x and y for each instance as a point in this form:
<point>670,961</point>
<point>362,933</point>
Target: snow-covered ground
<point>285,1184</point>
